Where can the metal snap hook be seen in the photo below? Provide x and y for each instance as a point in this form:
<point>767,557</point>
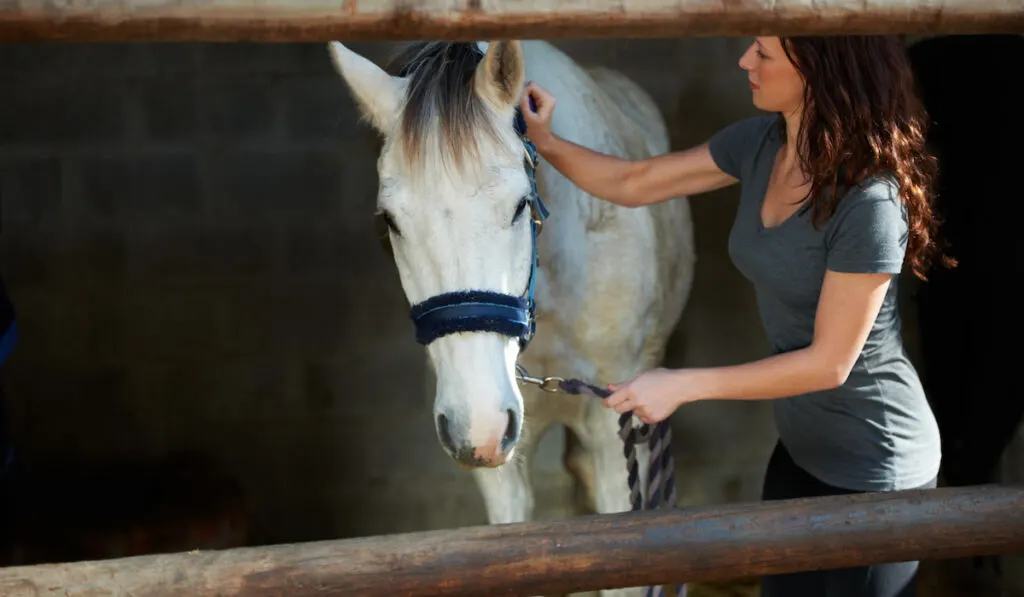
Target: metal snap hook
<point>548,384</point>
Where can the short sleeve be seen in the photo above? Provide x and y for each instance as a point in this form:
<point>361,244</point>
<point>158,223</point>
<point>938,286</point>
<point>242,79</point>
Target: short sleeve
<point>868,233</point>
<point>734,147</point>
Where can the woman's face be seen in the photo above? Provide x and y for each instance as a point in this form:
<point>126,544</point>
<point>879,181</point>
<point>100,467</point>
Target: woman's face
<point>774,81</point>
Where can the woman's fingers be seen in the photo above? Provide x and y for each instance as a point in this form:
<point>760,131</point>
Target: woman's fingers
<point>543,103</point>
<point>524,104</point>
<point>621,401</point>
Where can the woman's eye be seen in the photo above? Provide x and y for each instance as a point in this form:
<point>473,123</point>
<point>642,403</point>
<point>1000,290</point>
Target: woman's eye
<point>519,209</point>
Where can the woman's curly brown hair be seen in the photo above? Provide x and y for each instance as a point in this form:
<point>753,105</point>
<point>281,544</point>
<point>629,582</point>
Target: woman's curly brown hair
<point>862,116</point>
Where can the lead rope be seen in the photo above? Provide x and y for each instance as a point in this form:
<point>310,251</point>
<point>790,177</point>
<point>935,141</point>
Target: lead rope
<point>661,487</point>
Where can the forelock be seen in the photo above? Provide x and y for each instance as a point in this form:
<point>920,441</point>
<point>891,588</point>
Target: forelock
<point>443,120</point>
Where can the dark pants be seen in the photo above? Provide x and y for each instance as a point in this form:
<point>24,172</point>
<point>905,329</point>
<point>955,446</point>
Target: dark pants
<point>785,480</point>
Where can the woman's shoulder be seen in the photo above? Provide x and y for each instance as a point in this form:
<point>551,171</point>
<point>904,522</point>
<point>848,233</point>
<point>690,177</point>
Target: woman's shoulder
<point>868,231</point>
<point>750,128</point>
<point>877,192</point>
<point>871,207</point>
<point>736,146</point>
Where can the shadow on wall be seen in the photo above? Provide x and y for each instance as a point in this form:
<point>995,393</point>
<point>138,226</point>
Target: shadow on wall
<point>68,512</point>
<point>966,312</point>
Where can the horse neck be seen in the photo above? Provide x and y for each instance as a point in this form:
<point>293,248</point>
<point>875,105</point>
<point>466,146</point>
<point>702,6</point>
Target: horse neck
<point>576,118</point>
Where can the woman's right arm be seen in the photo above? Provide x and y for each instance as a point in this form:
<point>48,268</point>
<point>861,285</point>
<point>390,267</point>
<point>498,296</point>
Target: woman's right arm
<point>635,183</point>
<point>624,182</point>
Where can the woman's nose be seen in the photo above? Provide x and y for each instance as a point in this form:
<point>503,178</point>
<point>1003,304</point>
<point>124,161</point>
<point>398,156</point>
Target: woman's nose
<point>745,60</point>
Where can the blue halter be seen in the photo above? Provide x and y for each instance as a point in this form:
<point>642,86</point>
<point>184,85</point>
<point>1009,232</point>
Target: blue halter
<point>482,310</point>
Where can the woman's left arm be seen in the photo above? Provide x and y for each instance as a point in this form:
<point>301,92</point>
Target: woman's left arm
<point>865,243</point>
<point>847,308</point>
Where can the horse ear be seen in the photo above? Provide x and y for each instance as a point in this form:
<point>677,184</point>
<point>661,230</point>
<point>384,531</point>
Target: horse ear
<point>500,76</point>
<point>377,93</point>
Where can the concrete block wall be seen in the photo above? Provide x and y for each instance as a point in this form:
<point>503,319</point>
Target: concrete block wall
<point>187,237</point>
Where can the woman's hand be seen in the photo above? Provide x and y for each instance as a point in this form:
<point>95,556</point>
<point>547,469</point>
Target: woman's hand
<point>653,395</point>
<point>538,124</point>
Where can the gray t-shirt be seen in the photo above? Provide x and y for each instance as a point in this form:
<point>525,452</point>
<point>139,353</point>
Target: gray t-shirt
<point>876,432</point>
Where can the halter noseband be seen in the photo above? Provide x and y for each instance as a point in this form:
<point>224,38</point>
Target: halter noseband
<point>484,310</point>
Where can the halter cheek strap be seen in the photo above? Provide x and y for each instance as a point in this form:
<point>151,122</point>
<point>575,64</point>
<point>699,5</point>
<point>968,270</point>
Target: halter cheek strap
<point>483,310</point>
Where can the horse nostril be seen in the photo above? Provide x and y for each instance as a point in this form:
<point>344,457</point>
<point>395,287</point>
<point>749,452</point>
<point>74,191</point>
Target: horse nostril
<point>444,433</point>
<point>511,432</point>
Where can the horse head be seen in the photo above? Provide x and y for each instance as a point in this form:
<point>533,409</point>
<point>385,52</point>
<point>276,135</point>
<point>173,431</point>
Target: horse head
<point>458,209</point>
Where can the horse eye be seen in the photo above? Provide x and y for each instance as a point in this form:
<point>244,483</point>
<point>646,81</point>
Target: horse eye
<point>386,222</point>
<point>519,209</point>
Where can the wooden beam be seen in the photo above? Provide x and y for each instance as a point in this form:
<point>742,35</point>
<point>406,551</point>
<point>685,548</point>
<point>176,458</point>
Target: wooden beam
<point>394,20</point>
<point>575,554</point>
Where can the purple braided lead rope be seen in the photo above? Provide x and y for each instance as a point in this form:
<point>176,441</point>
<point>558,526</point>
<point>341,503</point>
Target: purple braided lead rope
<point>661,488</point>
<point>661,451</point>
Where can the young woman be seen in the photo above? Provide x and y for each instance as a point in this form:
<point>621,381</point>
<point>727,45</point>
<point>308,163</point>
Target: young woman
<point>835,203</point>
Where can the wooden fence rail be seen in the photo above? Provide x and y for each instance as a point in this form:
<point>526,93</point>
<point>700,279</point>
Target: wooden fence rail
<point>575,554</point>
<point>321,20</point>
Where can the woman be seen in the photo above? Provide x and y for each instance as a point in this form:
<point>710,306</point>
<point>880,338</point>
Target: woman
<point>834,204</point>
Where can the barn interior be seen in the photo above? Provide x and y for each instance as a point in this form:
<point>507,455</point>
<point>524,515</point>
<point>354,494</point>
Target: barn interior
<point>214,352</point>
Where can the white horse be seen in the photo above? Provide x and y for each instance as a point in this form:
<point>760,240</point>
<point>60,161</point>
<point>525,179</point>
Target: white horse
<point>611,282</point>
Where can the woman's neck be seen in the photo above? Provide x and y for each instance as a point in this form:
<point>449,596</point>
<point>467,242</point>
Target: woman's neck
<point>789,151</point>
